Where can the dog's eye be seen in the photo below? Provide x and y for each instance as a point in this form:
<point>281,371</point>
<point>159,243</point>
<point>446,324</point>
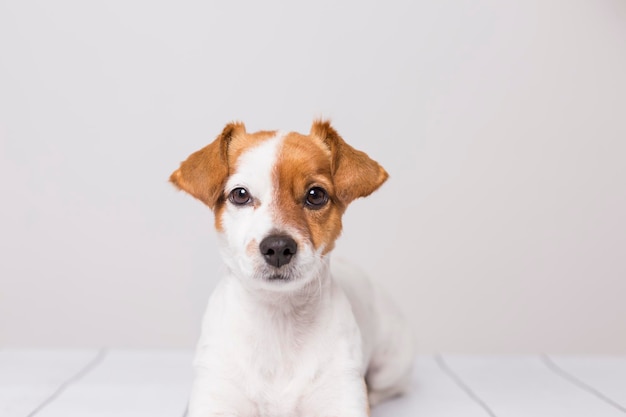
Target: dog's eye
<point>316,198</point>
<point>240,196</point>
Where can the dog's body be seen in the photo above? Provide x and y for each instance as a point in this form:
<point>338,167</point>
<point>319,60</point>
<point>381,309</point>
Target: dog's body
<point>286,334</point>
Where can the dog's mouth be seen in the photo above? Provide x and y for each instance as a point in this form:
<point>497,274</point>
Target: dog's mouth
<point>277,277</point>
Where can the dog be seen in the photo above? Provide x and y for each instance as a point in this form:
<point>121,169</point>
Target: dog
<point>285,333</point>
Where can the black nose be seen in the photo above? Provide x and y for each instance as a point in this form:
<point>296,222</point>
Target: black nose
<point>278,249</point>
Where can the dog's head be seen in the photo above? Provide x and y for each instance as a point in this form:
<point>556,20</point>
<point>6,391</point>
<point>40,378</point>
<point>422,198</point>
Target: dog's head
<point>278,198</point>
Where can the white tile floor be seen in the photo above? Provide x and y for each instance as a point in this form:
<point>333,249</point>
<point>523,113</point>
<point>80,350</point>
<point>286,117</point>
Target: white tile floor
<point>119,383</point>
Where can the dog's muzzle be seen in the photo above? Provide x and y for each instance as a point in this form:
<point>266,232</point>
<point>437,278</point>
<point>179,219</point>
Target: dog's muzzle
<point>278,250</point>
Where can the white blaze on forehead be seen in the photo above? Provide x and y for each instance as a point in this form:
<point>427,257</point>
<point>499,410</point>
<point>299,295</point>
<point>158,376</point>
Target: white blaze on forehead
<point>246,226</point>
<point>255,167</point>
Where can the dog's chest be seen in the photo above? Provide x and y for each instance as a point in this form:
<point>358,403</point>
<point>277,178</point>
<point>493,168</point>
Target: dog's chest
<point>279,384</point>
<point>279,376</point>
<point>279,365</point>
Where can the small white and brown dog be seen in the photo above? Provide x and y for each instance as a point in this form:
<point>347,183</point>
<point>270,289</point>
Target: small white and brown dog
<point>286,334</point>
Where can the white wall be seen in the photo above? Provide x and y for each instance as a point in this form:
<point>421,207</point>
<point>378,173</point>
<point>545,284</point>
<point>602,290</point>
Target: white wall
<point>503,125</point>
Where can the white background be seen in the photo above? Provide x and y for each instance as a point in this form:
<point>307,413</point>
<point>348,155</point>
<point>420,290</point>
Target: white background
<point>502,124</point>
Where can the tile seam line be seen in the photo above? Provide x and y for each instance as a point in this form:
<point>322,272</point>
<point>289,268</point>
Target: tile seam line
<point>464,387</point>
<point>91,365</point>
<point>557,370</point>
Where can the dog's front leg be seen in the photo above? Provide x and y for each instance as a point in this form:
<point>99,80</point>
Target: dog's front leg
<point>212,396</point>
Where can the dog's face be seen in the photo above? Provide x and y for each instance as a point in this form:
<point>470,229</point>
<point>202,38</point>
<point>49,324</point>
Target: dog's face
<point>278,198</point>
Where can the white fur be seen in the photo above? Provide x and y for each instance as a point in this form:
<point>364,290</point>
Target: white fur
<point>294,348</point>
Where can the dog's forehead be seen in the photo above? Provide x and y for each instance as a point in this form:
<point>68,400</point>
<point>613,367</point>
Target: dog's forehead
<point>252,158</point>
<point>246,143</point>
<point>302,160</point>
<point>306,150</point>
<point>288,156</point>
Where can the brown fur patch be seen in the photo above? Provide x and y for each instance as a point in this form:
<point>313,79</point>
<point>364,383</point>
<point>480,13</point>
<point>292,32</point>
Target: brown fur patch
<point>354,173</point>
<point>204,173</point>
<point>322,159</point>
<point>304,162</point>
<point>245,143</point>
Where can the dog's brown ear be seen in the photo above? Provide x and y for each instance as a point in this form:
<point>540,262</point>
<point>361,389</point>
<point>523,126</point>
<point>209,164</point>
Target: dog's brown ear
<point>203,174</point>
<point>354,173</point>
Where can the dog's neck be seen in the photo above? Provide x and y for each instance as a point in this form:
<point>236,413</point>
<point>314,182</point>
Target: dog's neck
<point>291,314</point>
